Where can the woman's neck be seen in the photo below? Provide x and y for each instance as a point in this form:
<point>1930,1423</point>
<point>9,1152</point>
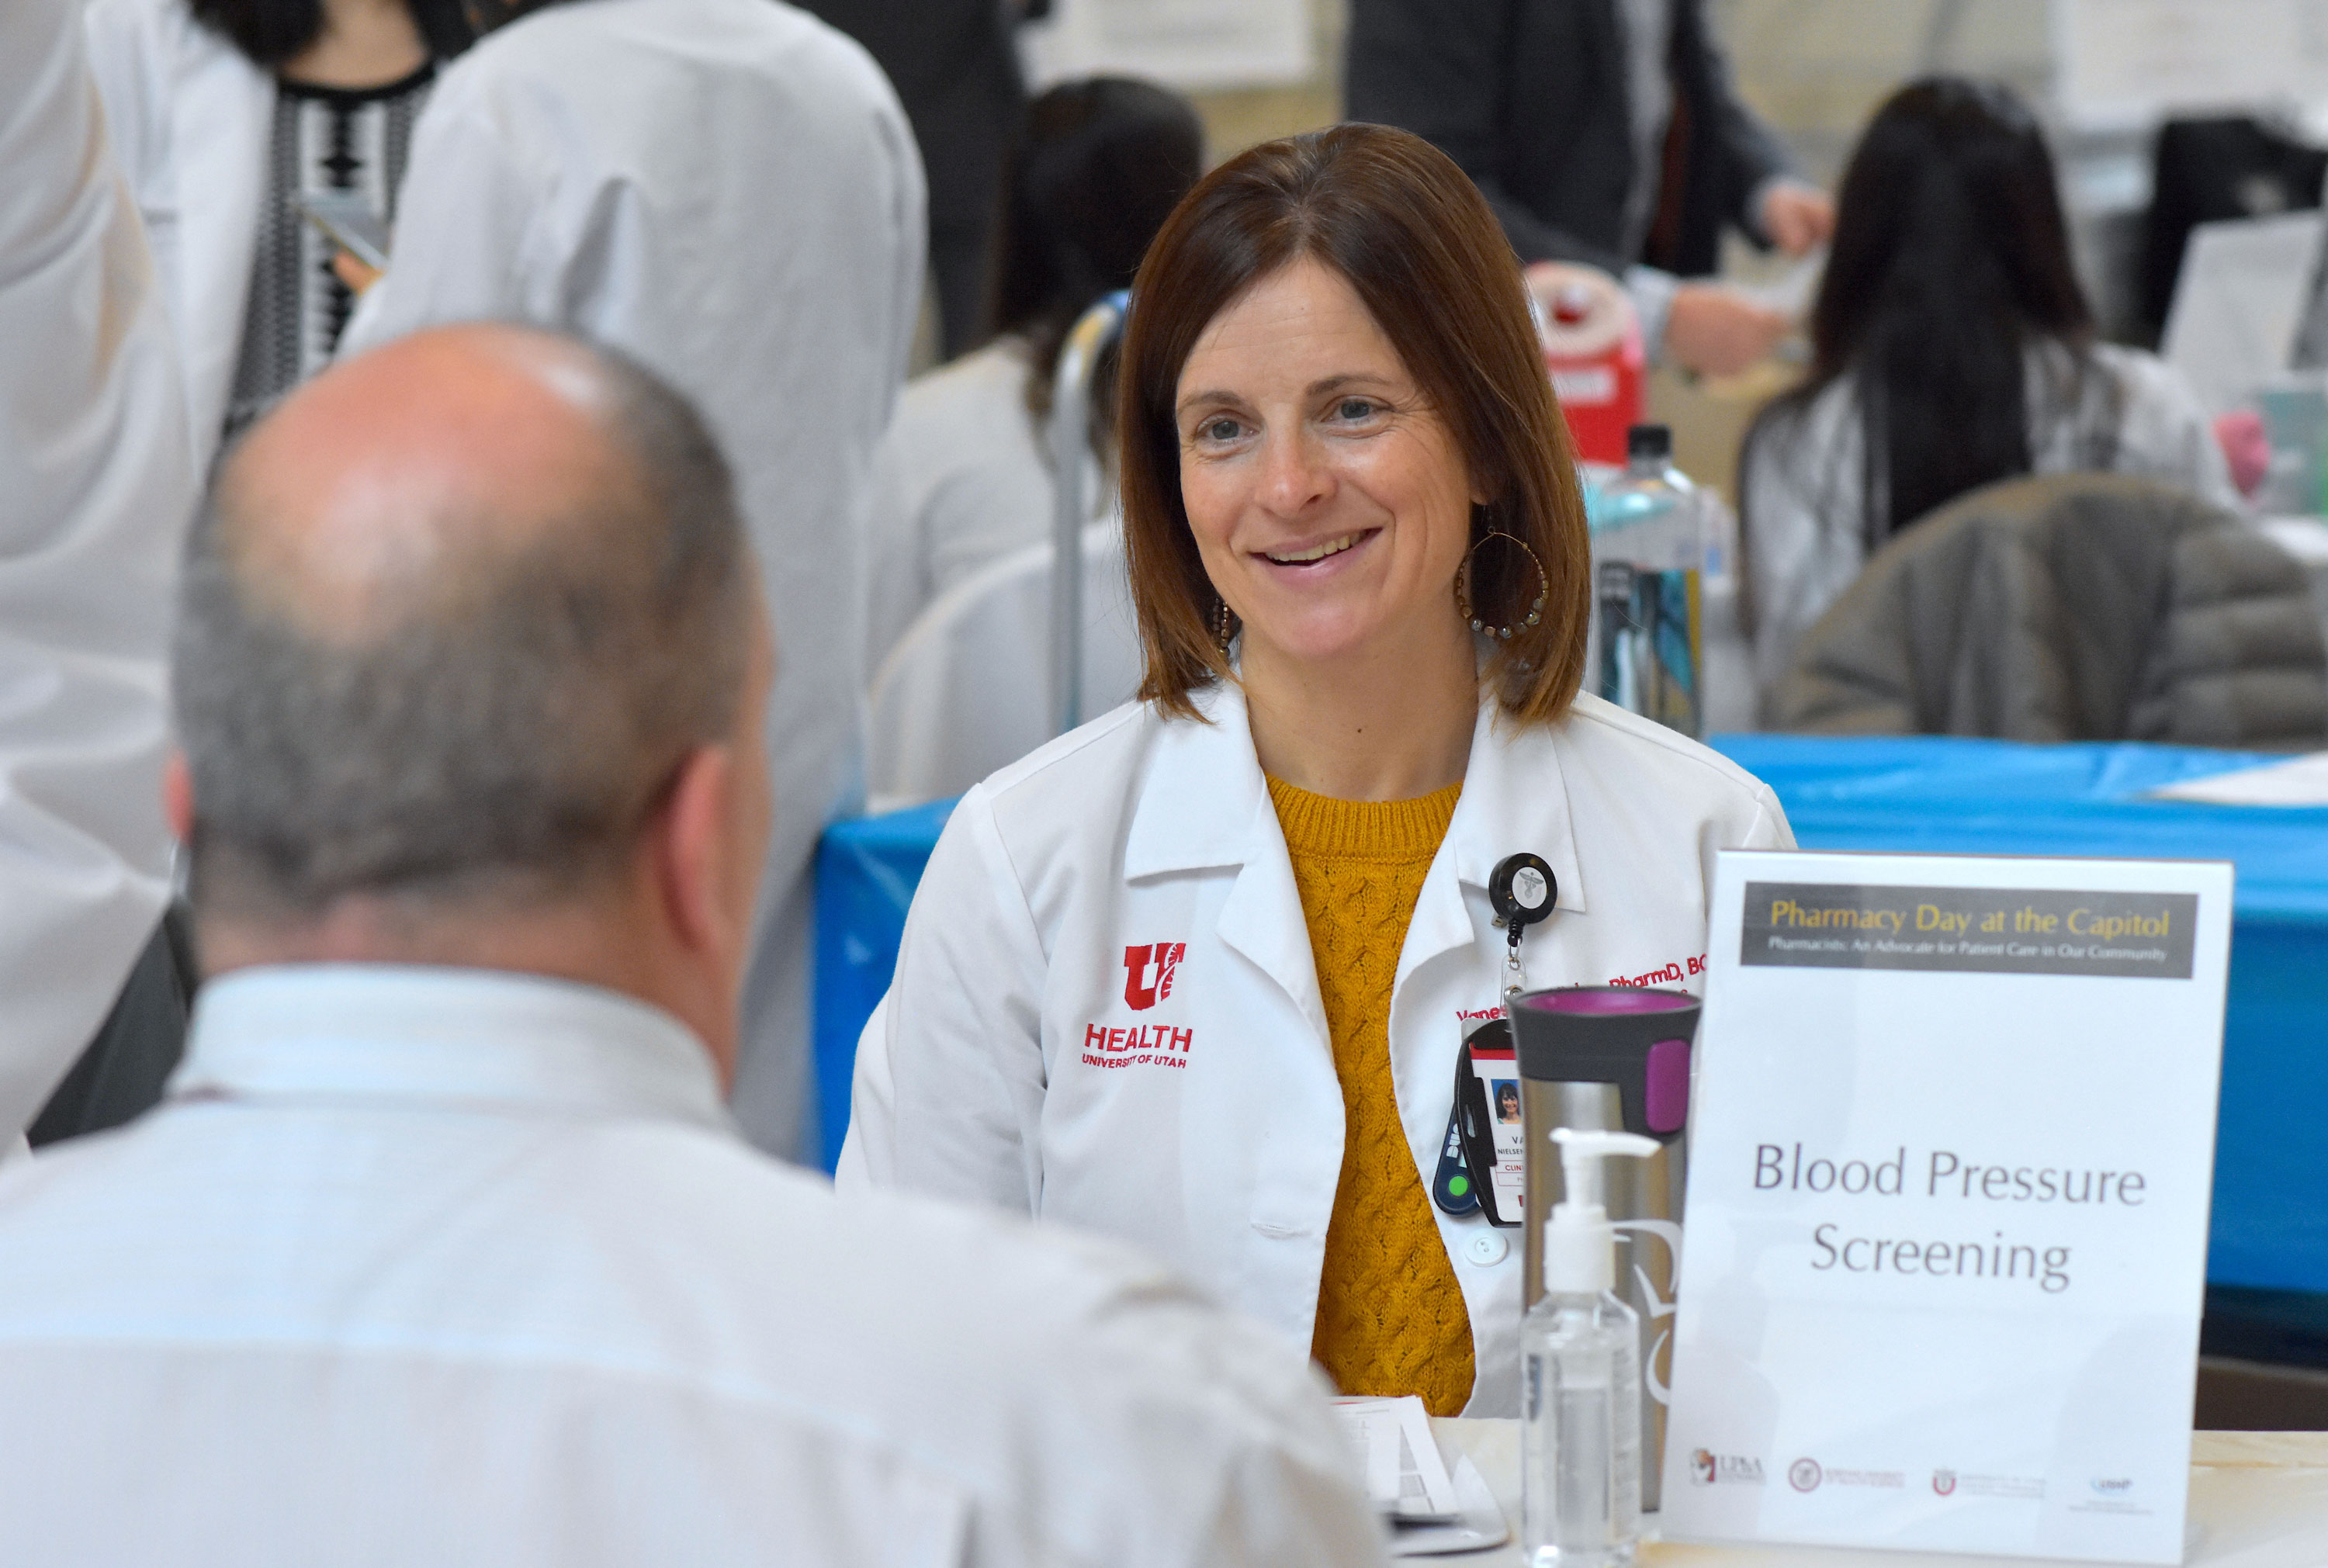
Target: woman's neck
<point>363,43</point>
<point>1391,724</point>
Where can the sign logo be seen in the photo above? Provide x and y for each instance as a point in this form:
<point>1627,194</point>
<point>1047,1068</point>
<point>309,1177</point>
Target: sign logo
<point>1718,1469</point>
<point>1944,1483</point>
<point>1138,994</point>
<point>1805,1475</point>
<point>2110,1488</point>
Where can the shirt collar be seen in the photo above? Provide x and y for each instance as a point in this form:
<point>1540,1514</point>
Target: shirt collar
<point>380,1032</point>
<point>1205,802</point>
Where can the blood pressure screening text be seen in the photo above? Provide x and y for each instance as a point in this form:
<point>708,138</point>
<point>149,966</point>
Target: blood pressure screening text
<point>1944,1176</point>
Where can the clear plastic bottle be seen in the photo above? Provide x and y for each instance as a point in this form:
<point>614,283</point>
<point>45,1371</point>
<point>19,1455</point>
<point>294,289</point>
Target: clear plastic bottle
<point>1581,1379</point>
<point>1649,555</point>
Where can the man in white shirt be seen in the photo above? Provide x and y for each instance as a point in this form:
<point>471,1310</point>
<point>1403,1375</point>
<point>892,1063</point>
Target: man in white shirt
<point>441,1249</point>
<point>727,190</point>
<point>96,484</point>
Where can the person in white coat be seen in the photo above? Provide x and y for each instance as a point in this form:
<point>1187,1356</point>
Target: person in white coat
<point>442,1250</point>
<point>963,478</point>
<point>1197,973</point>
<point>227,113</point>
<point>96,485</point>
<point>727,190</point>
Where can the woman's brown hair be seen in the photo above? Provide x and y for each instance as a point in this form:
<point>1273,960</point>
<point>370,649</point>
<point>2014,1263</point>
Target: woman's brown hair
<point>1397,219</point>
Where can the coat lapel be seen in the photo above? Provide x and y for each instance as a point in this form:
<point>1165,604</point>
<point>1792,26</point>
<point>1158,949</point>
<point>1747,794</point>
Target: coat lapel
<point>1514,798</point>
<point>1204,805</point>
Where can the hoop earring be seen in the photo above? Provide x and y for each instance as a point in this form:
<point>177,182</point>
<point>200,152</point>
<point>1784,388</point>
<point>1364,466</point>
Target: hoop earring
<point>1221,632</point>
<point>1463,603</point>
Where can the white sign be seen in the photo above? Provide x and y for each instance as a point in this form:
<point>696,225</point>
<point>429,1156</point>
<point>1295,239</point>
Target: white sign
<point>1948,1183</point>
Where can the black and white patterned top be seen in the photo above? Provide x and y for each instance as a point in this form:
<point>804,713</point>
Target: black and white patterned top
<point>323,139</point>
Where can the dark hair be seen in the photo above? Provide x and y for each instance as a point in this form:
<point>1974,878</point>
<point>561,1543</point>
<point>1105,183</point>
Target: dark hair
<point>1950,259</point>
<point>273,31</point>
<point>510,722</point>
<point>1413,238</point>
<point>1098,166</point>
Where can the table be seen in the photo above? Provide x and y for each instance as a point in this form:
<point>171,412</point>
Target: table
<point>1934,794</point>
<point>2258,1500</point>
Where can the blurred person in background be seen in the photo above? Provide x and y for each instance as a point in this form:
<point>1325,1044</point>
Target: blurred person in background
<point>442,1250</point>
<point>1602,132</point>
<point>225,113</point>
<point>96,481</point>
<point>727,190</point>
<point>964,476</point>
<point>1951,346</point>
<point>956,70</point>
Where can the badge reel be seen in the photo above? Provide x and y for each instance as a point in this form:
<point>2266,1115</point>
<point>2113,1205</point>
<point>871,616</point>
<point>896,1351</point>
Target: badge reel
<point>1522,890</point>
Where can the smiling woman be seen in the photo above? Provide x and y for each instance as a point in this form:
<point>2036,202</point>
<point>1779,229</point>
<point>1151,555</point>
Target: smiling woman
<point>1196,975</point>
<point>1355,283</point>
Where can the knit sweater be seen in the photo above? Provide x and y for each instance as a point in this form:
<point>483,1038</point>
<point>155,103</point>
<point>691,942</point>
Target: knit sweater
<point>1390,1319</point>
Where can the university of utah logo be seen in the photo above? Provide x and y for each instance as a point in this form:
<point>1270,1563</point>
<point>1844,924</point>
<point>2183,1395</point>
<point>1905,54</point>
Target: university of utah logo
<point>1140,993</point>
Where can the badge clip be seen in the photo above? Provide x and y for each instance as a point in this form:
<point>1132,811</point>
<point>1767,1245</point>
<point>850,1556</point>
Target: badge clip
<point>1522,890</point>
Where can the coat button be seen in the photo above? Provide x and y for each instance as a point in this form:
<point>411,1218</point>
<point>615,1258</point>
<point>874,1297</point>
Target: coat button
<point>1487,1248</point>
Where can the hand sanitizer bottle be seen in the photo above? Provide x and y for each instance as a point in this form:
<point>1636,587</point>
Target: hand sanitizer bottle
<point>1580,1377</point>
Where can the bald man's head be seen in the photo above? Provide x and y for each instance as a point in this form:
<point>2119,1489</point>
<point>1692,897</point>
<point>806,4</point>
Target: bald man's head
<point>456,611</point>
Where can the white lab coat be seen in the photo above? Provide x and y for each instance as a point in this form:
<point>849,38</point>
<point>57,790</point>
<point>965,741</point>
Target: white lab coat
<point>1032,1053</point>
<point>190,117</point>
<point>727,190</point>
<point>96,485</point>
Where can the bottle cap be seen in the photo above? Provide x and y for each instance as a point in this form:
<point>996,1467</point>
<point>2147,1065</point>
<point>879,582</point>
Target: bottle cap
<point>1579,1244</point>
<point>1646,441</point>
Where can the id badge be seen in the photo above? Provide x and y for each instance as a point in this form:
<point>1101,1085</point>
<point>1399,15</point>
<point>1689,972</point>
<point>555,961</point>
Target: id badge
<point>1494,1141</point>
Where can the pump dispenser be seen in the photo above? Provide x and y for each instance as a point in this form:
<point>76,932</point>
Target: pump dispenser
<point>1581,1372</point>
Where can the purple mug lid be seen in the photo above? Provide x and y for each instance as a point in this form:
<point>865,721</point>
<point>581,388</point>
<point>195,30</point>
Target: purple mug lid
<point>1607,999</point>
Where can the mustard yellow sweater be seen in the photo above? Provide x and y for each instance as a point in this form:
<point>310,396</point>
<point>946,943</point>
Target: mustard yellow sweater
<point>1390,1314</point>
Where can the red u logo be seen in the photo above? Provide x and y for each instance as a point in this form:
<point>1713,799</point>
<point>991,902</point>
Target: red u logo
<point>1139,995</point>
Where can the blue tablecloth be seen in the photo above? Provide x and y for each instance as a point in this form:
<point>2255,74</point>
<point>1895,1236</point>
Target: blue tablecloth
<point>1932,794</point>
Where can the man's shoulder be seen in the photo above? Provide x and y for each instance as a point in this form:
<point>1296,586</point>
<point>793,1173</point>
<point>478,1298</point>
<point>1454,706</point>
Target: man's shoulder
<point>1079,1401</point>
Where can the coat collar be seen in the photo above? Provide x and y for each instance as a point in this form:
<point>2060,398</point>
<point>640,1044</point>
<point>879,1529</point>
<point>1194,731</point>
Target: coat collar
<point>409,1035</point>
<point>1204,803</point>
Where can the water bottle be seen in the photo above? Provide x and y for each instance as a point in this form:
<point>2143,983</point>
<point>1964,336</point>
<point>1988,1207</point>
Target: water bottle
<point>1649,561</point>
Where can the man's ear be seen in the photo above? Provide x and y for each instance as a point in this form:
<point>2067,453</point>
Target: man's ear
<point>692,851</point>
<point>178,797</point>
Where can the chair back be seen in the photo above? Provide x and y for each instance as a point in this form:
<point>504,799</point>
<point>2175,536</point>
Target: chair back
<point>968,689</point>
<point>2070,608</point>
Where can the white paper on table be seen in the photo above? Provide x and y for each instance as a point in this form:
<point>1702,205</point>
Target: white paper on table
<point>2008,1373</point>
<point>1792,292</point>
<point>1406,1475</point>
<point>2301,781</point>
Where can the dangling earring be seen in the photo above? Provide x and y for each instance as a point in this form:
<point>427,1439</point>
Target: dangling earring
<point>1463,603</point>
<point>1221,631</point>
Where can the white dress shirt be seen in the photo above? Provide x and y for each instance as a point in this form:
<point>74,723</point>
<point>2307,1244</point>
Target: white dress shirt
<point>446,1266</point>
<point>97,480</point>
